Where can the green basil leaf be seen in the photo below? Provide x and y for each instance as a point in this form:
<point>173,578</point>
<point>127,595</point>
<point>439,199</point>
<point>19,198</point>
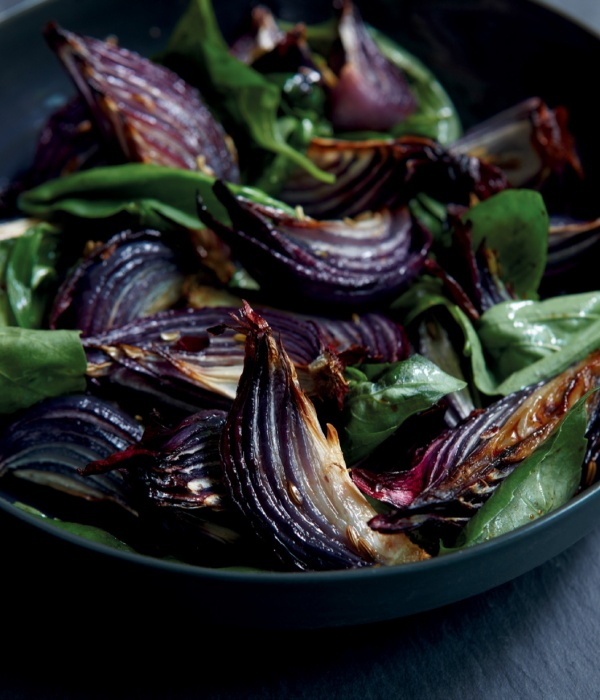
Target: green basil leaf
<point>530,341</point>
<point>30,274</point>
<point>152,194</point>
<point>35,365</point>
<point>88,532</point>
<point>541,483</point>
<point>6,314</point>
<point>514,223</point>
<point>242,94</point>
<point>382,397</point>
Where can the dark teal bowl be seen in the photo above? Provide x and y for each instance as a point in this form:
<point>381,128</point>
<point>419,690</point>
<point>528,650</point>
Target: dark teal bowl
<point>489,54</point>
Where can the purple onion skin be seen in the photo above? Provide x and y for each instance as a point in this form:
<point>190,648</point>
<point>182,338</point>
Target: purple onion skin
<point>287,478</point>
<point>371,93</point>
<point>57,436</point>
<point>459,470</point>
<point>132,275</point>
<point>143,109</point>
<point>308,262</point>
<point>69,142</point>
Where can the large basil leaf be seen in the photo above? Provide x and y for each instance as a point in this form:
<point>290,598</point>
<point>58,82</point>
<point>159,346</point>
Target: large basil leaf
<point>88,532</point>
<point>514,224</point>
<point>381,397</point>
<point>153,195</point>
<point>239,93</point>
<point>30,274</point>
<point>530,341</point>
<point>35,365</point>
<point>541,483</point>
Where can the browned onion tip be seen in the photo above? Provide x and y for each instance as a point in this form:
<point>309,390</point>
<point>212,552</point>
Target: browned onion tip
<point>528,142</point>
<point>371,93</point>
<point>143,109</point>
<point>287,477</point>
<point>261,37</point>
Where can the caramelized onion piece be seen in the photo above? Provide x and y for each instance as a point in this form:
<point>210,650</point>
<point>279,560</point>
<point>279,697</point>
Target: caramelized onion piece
<point>142,109</point>
<point>460,469</point>
<point>371,93</point>
<point>287,477</point>
<point>373,174</point>
<point>527,142</point>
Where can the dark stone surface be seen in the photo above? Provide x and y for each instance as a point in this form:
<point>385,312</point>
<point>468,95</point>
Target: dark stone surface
<point>65,638</point>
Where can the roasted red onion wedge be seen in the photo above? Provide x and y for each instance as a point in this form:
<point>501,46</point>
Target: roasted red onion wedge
<point>179,467</point>
<point>527,142</point>
<point>371,93</point>
<point>57,437</point>
<point>459,470</point>
<point>174,357</point>
<point>332,262</point>
<point>373,174</point>
<point>144,110</point>
<point>287,477</point>
<point>132,275</point>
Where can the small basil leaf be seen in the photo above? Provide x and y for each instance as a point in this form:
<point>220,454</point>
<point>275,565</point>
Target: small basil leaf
<point>35,365</point>
<point>382,397</point>
<point>31,274</point>
<point>541,483</point>
<point>6,315</point>
<point>88,532</point>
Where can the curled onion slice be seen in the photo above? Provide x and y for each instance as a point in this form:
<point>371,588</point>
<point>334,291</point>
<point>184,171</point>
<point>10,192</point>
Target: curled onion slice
<point>134,274</point>
<point>178,467</point>
<point>345,262</point>
<point>187,360</point>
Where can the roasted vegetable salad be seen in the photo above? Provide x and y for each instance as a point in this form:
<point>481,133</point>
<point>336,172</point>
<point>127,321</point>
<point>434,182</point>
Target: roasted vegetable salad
<point>264,304</point>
